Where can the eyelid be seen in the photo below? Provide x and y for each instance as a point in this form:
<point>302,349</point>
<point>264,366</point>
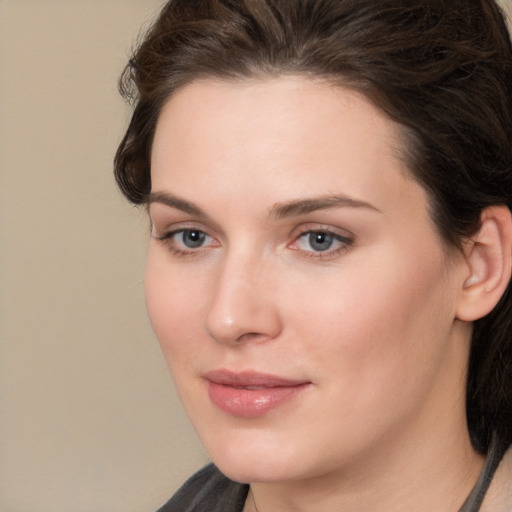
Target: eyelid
<point>161,230</point>
<point>164,217</point>
<point>309,227</point>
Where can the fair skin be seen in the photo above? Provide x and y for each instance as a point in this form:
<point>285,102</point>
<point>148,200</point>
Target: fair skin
<point>288,239</point>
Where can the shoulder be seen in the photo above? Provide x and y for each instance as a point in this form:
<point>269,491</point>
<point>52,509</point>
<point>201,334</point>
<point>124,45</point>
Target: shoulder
<point>208,490</point>
<point>499,494</point>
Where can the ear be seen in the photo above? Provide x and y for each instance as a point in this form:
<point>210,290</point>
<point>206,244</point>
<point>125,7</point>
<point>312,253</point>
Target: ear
<point>488,258</point>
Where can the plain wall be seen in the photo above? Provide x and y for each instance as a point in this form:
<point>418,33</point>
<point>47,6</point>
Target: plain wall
<point>89,421</point>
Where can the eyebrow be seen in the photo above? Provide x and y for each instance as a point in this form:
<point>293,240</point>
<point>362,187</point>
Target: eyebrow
<point>291,208</point>
<point>304,206</point>
<point>176,202</point>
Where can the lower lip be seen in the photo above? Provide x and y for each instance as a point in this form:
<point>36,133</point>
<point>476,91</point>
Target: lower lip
<point>251,403</point>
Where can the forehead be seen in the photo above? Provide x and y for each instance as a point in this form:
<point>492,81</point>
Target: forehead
<point>254,105</point>
<point>308,136</point>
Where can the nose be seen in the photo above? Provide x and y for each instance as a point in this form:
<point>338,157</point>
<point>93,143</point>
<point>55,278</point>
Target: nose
<point>243,305</point>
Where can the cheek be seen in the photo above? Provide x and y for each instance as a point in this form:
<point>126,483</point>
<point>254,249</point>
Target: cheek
<point>175,304</point>
<point>377,325</point>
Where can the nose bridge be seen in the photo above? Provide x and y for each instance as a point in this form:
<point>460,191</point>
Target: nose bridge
<point>242,304</point>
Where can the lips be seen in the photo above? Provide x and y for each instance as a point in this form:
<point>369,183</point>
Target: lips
<point>251,394</point>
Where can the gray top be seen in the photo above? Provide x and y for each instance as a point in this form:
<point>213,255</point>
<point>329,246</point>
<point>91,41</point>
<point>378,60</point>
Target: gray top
<point>208,490</point>
<point>476,496</point>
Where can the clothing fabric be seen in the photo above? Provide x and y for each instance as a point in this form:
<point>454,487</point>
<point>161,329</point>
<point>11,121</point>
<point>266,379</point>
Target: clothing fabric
<point>209,490</point>
<point>476,497</point>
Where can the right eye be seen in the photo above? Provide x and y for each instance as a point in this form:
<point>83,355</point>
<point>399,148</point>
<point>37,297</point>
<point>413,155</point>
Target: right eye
<point>186,241</point>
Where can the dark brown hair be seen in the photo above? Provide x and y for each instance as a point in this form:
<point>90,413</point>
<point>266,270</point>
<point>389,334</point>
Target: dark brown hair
<point>443,70</point>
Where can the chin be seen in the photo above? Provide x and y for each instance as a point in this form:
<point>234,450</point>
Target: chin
<point>259,457</point>
<point>256,471</point>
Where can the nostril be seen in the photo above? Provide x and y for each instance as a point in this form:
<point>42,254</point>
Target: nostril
<point>238,311</point>
<point>253,336</point>
<point>267,326</point>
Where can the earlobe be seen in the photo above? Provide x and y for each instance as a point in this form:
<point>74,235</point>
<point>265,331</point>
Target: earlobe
<point>488,258</point>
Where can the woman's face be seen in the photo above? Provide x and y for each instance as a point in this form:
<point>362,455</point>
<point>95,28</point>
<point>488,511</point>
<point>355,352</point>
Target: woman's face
<point>300,292</point>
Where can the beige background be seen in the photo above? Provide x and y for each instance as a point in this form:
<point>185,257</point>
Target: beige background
<point>89,421</point>
<point>507,7</point>
<point>88,417</point>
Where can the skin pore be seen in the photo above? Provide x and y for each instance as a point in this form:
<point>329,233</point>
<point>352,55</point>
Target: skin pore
<point>288,239</point>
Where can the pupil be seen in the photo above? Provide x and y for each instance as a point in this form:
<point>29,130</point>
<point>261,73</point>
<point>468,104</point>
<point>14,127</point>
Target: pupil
<point>193,239</point>
<point>320,241</point>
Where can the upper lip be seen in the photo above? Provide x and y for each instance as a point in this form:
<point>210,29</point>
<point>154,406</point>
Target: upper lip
<point>250,378</point>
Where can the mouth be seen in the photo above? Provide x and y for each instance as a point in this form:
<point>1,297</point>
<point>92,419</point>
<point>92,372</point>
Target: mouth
<point>251,394</point>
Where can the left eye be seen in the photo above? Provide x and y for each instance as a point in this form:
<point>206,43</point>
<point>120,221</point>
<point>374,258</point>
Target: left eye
<point>320,241</point>
<point>191,238</point>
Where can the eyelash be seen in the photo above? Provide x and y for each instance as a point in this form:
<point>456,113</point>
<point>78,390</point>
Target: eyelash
<point>344,242</point>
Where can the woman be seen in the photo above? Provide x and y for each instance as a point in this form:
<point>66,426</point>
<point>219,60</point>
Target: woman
<point>329,185</point>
